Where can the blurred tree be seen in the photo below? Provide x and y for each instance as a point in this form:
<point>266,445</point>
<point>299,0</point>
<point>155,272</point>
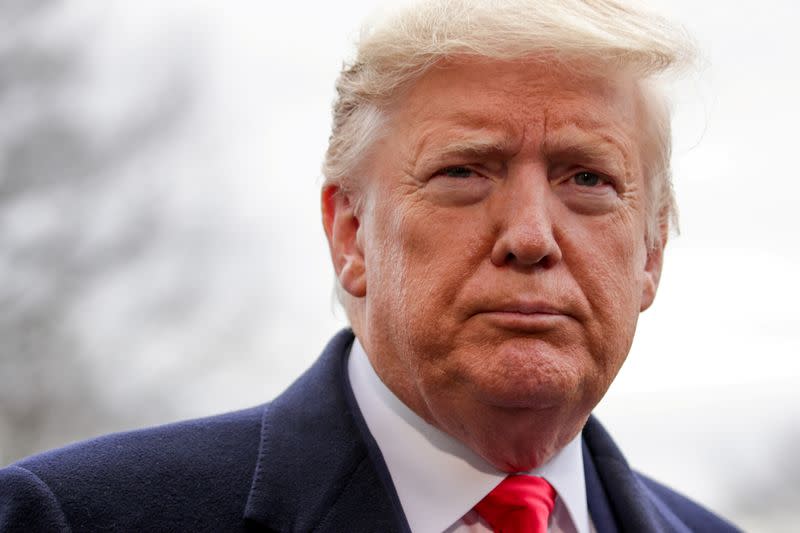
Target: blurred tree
<point>56,174</point>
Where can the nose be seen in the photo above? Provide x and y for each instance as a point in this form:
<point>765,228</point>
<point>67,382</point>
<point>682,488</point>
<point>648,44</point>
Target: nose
<point>526,237</point>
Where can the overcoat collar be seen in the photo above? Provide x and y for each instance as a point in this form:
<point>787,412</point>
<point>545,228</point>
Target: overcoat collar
<point>617,494</point>
<point>319,469</point>
<point>315,471</point>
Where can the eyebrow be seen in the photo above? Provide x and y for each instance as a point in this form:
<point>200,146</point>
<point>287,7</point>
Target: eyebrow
<point>479,146</point>
<point>595,144</point>
<point>587,140</point>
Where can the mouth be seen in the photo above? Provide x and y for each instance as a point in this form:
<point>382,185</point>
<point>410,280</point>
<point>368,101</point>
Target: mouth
<point>525,317</point>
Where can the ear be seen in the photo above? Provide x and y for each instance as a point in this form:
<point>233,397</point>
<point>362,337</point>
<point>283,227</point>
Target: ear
<point>341,227</point>
<point>652,269</point>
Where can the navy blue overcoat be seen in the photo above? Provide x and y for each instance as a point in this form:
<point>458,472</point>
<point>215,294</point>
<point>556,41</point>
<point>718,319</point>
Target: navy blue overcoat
<point>303,462</point>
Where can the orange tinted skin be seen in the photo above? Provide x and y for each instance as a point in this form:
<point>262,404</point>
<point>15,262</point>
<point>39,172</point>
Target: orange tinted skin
<point>497,264</point>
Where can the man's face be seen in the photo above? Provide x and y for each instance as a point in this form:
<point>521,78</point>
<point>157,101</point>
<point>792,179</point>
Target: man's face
<point>499,254</point>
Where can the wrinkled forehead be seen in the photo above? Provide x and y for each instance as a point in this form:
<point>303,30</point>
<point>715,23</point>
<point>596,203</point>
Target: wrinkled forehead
<point>524,95</point>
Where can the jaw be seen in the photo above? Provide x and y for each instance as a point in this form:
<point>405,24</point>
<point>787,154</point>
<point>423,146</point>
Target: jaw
<point>489,411</point>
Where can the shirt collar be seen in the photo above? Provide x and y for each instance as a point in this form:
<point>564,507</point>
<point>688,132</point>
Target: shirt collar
<point>437,478</point>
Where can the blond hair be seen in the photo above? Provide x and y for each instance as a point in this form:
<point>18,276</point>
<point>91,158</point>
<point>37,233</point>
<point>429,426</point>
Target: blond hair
<point>399,49</point>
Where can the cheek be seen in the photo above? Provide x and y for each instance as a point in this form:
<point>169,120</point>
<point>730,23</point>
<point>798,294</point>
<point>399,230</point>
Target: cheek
<point>419,262</point>
<point>609,268</point>
<point>614,260</point>
<point>434,245</point>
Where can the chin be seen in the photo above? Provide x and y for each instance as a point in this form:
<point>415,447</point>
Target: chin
<point>541,387</point>
<point>535,393</point>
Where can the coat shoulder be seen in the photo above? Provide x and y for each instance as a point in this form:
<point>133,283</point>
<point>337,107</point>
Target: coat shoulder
<point>154,476</point>
<point>691,513</point>
<point>27,503</point>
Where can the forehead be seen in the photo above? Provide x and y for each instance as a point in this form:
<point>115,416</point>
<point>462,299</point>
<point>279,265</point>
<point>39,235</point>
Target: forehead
<point>518,101</point>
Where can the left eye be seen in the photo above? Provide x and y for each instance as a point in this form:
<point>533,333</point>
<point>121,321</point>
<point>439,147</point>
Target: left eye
<point>587,179</point>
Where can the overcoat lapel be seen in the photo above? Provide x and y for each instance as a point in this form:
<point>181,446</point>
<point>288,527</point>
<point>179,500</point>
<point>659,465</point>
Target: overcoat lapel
<point>634,507</point>
<point>596,497</point>
<point>314,470</point>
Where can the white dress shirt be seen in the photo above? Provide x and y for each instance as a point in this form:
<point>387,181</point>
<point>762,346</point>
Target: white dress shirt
<point>438,479</point>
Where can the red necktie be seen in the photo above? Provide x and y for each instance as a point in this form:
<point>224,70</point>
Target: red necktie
<point>519,504</point>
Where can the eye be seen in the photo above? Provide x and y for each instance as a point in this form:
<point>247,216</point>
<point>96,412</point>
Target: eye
<point>459,185</point>
<point>588,179</point>
<point>456,172</point>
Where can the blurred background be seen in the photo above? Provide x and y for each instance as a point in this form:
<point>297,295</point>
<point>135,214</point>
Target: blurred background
<point>162,257</point>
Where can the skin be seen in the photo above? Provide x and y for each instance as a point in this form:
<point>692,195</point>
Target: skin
<point>495,258</point>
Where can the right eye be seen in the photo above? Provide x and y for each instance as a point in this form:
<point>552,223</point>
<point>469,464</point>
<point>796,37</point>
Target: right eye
<point>455,172</point>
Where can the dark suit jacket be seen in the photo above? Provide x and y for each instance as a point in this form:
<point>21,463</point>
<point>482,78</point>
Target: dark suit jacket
<point>304,462</point>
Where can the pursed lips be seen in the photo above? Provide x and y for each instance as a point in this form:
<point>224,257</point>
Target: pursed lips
<point>527,316</point>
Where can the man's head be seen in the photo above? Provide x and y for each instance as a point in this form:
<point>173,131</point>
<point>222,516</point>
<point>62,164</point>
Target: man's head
<point>497,200</point>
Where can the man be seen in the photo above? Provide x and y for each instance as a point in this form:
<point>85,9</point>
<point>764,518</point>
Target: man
<point>497,201</point>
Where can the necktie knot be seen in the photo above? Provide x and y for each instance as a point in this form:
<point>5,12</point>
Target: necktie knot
<point>519,504</point>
